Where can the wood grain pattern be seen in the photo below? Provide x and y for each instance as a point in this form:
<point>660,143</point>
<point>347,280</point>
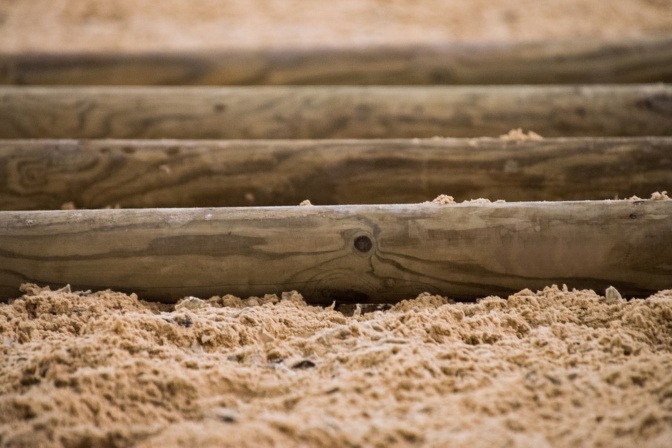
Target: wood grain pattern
<point>579,62</point>
<point>332,112</point>
<point>45,174</point>
<point>356,253</point>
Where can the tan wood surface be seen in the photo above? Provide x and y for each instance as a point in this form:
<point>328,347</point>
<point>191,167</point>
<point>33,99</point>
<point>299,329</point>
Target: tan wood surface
<point>332,112</point>
<point>46,174</point>
<point>356,253</point>
<point>646,60</point>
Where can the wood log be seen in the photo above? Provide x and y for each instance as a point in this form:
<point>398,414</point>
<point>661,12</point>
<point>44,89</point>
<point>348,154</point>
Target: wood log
<point>45,174</point>
<point>577,62</point>
<point>332,112</point>
<point>356,253</point>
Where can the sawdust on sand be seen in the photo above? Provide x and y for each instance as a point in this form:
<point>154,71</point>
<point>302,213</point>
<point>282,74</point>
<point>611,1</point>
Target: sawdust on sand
<point>556,367</point>
<point>655,196</point>
<point>518,135</point>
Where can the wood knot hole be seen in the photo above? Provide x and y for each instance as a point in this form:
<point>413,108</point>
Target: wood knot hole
<point>363,243</point>
<point>633,216</point>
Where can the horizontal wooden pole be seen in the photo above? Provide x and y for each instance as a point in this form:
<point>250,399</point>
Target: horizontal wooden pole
<point>45,174</point>
<point>357,253</point>
<point>332,112</point>
<point>577,62</point>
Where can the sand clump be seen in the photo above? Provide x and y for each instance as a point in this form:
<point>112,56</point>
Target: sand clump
<point>660,196</point>
<point>518,135</point>
<point>444,199</point>
<point>655,196</point>
<point>551,368</point>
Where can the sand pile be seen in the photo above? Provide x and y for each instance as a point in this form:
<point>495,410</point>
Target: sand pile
<point>552,368</point>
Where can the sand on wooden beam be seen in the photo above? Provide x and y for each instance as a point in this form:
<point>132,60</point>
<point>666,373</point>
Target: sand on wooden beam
<point>578,62</point>
<point>361,253</point>
<point>332,111</point>
<point>48,174</point>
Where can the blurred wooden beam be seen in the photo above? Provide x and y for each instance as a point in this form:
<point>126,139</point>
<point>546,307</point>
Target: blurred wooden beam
<point>573,62</point>
<point>332,112</point>
<point>346,253</point>
<point>45,174</point>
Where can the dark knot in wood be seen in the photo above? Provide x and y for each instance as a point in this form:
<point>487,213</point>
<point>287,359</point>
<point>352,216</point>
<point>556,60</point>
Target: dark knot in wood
<point>363,243</point>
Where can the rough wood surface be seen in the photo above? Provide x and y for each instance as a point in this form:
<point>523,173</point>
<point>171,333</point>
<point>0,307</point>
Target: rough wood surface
<point>332,112</point>
<point>356,253</point>
<point>45,174</point>
<point>647,60</point>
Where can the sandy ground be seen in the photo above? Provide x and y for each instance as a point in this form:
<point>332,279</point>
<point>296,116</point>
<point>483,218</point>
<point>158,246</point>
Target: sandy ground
<point>551,368</point>
<point>146,25</point>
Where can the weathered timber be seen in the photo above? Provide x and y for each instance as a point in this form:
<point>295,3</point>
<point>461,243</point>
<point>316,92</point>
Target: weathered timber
<point>45,174</point>
<point>332,112</point>
<point>578,62</point>
<point>357,253</point>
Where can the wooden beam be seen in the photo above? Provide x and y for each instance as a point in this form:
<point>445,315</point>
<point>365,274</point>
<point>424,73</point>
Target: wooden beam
<point>332,112</point>
<point>356,253</point>
<point>574,62</point>
<point>45,174</point>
